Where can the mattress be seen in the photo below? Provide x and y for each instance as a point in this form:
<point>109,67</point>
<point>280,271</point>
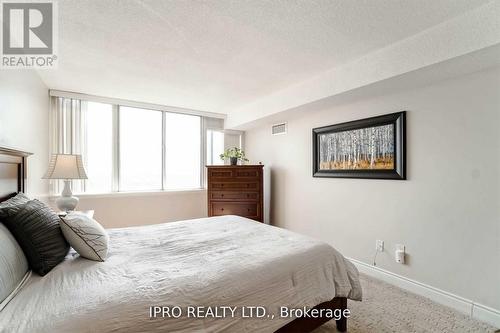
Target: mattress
<point>206,264</point>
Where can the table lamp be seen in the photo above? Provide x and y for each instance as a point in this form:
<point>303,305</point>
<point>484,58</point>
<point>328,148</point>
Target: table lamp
<point>67,167</point>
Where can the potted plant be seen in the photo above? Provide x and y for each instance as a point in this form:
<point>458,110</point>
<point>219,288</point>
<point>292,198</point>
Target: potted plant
<point>234,155</point>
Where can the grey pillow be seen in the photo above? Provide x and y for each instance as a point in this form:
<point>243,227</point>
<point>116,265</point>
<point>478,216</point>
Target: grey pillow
<point>18,200</point>
<point>13,264</point>
<point>37,230</point>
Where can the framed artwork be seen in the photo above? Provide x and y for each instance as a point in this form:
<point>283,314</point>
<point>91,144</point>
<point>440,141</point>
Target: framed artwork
<point>367,148</point>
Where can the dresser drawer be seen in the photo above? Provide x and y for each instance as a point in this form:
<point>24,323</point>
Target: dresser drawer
<point>246,209</point>
<point>220,173</point>
<point>234,196</point>
<point>247,173</point>
<point>234,186</point>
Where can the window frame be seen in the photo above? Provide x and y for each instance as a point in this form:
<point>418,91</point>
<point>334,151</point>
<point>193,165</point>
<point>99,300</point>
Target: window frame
<point>210,161</point>
<point>117,180</point>
<point>208,121</point>
<point>116,145</point>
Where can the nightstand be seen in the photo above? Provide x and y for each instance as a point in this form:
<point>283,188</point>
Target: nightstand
<point>89,213</point>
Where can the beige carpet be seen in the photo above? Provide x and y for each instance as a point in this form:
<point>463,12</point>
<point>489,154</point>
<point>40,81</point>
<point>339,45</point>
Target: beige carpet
<point>386,308</point>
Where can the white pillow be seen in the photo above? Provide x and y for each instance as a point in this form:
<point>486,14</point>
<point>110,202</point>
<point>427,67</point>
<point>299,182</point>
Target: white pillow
<point>85,235</point>
<point>13,266</point>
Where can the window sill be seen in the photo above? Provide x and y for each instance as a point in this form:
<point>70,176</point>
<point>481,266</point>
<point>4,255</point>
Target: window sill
<point>133,193</point>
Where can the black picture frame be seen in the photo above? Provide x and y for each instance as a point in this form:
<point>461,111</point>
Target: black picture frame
<point>398,120</point>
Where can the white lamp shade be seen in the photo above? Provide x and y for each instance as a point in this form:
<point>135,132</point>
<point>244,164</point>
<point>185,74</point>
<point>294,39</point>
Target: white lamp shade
<point>66,166</point>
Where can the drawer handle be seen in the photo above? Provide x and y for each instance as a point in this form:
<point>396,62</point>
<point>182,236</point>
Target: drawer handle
<point>222,209</point>
<point>248,195</point>
<point>222,195</point>
<point>248,209</point>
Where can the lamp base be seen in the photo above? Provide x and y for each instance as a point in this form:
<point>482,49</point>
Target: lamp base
<point>67,202</point>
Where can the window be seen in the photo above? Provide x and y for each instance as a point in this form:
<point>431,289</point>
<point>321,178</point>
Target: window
<point>128,148</point>
<point>98,146</point>
<point>215,147</point>
<point>140,149</point>
<point>182,151</point>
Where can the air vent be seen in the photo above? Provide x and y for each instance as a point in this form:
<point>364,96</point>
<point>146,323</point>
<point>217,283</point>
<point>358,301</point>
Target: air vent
<point>279,129</point>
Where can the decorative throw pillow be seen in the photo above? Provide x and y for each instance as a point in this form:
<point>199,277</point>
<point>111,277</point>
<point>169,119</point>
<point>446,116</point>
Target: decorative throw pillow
<point>37,230</point>
<point>18,200</point>
<point>86,236</point>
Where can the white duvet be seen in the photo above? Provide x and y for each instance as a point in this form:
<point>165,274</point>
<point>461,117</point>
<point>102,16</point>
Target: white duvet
<point>222,261</point>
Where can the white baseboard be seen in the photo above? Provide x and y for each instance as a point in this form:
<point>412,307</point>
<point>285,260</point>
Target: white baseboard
<point>466,306</point>
<point>486,314</point>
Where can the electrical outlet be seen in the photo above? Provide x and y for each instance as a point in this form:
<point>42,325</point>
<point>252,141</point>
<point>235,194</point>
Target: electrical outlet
<point>379,245</point>
<point>399,254</point>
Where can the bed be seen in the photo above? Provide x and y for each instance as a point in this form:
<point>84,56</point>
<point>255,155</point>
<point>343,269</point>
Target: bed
<point>206,265</point>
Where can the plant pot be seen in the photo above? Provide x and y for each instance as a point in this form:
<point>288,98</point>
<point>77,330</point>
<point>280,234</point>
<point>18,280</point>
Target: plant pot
<point>233,160</point>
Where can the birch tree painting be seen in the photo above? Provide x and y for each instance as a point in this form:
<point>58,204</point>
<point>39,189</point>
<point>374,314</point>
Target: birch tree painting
<point>369,148</point>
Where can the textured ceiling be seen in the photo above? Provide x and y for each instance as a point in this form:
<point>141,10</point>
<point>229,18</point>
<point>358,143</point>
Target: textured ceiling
<point>220,54</point>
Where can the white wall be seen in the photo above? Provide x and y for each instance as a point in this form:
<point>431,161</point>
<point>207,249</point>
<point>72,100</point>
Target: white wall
<point>130,209</point>
<point>448,211</point>
<point>24,114</point>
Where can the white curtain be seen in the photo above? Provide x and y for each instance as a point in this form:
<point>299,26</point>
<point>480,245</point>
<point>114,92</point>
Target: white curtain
<point>214,123</point>
<point>67,134</point>
<point>233,139</point>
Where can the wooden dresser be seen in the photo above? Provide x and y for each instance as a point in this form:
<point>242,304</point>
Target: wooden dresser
<point>236,190</point>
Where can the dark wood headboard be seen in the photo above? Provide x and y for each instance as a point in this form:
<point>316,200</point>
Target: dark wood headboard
<point>12,172</point>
